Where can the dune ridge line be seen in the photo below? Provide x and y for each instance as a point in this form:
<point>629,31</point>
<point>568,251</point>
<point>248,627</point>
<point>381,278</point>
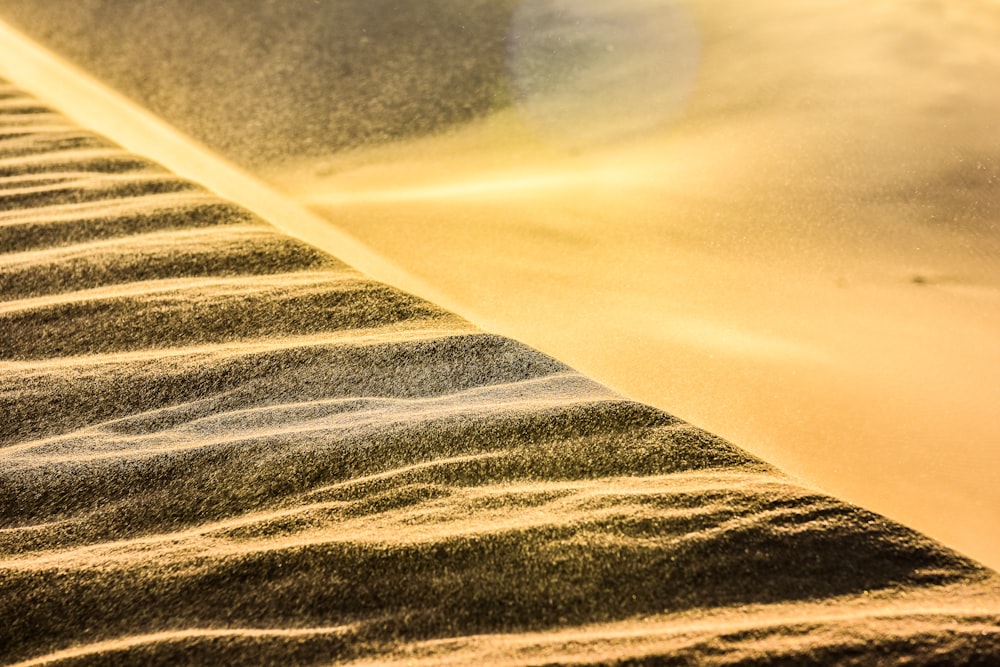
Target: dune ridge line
<point>210,428</point>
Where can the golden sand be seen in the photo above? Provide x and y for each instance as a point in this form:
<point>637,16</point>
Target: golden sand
<point>219,445</point>
<point>775,220</point>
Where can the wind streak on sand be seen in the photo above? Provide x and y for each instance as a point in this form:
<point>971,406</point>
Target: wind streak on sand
<point>220,445</point>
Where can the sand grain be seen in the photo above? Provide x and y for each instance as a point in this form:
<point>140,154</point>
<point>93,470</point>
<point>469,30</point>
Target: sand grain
<point>219,445</point>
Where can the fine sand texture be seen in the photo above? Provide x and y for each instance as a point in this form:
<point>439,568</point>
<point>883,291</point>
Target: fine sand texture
<point>221,446</point>
<point>777,219</point>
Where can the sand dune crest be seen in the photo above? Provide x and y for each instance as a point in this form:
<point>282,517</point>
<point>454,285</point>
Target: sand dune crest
<point>220,445</point>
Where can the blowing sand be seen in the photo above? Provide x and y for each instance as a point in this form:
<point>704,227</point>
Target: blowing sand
<point>220,445</point>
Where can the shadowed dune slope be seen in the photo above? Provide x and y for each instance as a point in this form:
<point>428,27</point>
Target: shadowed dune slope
<point>218,445</point>
<point>324,76</point>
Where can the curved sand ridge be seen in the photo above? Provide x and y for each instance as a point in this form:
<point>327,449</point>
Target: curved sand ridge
<point>220,445</point>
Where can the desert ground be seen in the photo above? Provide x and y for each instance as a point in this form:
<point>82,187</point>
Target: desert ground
<point>223,443</point>
<point>777,222</point>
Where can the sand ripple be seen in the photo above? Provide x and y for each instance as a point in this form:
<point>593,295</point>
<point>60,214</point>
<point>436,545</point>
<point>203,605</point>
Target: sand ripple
<point>219,445</point>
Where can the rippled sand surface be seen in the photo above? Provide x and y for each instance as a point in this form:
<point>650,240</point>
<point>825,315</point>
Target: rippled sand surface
<point>777,220</point>
<point>220,445</point>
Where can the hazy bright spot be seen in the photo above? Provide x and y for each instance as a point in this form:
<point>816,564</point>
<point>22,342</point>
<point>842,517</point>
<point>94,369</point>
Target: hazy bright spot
<point>586,71</point>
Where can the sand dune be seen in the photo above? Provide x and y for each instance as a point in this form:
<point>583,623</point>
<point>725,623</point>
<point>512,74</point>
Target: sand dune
<point>220,445</point>
<point>777,221</point>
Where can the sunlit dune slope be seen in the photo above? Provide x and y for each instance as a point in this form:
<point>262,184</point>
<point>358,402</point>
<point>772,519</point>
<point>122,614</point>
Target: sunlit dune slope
<point>776,219</point>
<point>803,259</point>
<point>220,445</point>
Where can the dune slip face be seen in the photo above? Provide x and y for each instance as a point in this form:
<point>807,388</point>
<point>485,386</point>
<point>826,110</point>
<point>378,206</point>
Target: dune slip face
<point>219,445</point>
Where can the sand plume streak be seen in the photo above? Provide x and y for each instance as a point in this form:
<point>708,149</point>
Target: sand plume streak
<point>221,445</point>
